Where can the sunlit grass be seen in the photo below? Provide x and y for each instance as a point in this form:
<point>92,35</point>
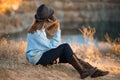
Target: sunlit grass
<point>103,56</point>
<point>115,42</point>
<point>12,53</point>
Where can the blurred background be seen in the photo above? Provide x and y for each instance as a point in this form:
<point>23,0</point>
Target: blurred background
<point>16,16</point>
<point>102,39</point>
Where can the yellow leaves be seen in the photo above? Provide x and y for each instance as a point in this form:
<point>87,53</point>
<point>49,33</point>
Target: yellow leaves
<point>3,10</point>
<point>6,5</point>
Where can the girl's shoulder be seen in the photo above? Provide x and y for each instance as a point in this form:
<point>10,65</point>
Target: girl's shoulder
<point>37,33</point>
<point>32,34</point>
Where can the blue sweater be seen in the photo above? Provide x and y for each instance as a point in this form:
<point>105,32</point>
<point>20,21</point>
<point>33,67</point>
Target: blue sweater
<point>37,44</point>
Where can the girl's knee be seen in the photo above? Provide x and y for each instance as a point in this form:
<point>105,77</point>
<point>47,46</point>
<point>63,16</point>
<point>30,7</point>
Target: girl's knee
<point>65,44</point>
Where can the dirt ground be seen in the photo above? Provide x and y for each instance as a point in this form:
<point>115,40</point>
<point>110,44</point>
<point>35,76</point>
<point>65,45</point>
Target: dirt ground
<point>52,72</point>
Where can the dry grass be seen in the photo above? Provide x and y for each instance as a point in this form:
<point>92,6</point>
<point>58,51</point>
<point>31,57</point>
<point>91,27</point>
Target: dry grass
<point>12,53</point>
<point>10,24</point>
<point>115,42</point>
<point>88,32</point>
<point>13,63</point>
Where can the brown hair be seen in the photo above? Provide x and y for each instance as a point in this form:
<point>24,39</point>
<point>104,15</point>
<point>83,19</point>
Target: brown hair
<point>52,28</point>
<point>37,25</point>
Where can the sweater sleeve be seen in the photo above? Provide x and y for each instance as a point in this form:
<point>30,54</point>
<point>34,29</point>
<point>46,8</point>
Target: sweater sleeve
<point>53,43</point>
<point>56,40</point>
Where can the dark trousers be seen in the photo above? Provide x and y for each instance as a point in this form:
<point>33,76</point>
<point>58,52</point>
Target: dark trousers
<point>63,52</point>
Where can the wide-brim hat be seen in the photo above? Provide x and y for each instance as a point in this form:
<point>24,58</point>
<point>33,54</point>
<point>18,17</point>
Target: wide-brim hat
<point>44,13</point>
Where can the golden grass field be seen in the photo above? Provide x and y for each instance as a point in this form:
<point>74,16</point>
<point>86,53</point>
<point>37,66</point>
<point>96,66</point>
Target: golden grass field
<point>13,64</point>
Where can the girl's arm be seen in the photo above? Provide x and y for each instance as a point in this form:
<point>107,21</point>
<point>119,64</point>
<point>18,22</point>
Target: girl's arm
<point>56,40</point>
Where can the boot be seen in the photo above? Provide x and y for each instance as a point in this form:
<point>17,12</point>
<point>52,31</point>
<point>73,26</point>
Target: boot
<point>97,73</point>
<point>82,71</point>
<point>86,65</point>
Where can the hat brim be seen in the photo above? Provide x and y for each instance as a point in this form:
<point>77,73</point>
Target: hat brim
<point>36,17</point>
<point>51,12</point>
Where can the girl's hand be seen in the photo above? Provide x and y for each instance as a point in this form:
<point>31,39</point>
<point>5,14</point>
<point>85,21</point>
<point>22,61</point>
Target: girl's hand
<point>54,25</point>
<point>58,25</point>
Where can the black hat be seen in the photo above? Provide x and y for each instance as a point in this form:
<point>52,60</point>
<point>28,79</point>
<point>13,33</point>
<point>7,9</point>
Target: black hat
<point>44,13</point>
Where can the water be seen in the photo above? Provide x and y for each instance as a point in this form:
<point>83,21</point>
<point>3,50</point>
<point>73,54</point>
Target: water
<point>69,37</point>
<point>102,27</point>
<point>71,34</point>
<point>74,38</point>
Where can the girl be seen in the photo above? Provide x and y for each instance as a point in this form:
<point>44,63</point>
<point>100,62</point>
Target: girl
<point>44,51</point>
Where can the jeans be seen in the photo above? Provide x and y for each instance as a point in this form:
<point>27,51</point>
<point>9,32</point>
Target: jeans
<point>63,52</point>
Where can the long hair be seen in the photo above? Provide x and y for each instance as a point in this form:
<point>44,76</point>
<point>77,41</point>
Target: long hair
<point>37,25</point>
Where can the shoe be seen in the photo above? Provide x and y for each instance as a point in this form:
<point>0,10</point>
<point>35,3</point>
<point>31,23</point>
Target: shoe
<point>84,73</point>
<point>99,73</point>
